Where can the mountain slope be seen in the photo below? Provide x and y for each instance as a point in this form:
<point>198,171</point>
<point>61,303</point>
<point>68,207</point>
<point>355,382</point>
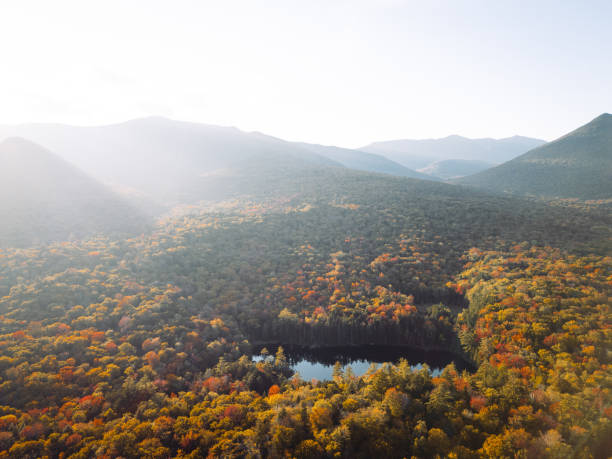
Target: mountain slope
<point>43,198</point>
<point>359,160</point>
<point>455,168</point>
<point>578,165</point>
<point>417,154</point>
<point>163,158</point>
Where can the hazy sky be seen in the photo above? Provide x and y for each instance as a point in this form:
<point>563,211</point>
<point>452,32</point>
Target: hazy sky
<point>335,72</point>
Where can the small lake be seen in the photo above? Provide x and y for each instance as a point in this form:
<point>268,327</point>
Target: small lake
<point>318,363</point>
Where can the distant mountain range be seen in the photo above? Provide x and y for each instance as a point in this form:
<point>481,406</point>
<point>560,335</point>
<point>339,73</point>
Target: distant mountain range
<point>363,161</point>
<point>45,199</point>
<point>166,160</point>
<point>157,163</point>
<point>418,154</point>
<point>578,165</point>
<point>169,161</point>
<point>174,161</point>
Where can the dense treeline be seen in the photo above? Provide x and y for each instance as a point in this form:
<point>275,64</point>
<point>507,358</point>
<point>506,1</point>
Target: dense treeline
<point>538,324</point>
<point>141,347</point>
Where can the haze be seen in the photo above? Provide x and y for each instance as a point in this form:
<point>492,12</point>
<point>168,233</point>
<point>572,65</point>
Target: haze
<point>305,229</point>
<point>342,73</point>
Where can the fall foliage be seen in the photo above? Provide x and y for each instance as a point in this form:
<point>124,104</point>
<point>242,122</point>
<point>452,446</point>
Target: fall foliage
<point>142,347</point>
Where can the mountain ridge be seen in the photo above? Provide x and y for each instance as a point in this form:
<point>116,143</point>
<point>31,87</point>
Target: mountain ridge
<point>165,159</point>
<point>576,165</point>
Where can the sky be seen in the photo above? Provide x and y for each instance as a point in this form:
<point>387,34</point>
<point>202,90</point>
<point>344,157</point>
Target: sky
<point>342,73</point>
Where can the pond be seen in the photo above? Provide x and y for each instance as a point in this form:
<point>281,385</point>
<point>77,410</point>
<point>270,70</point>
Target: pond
<point>318,363</point>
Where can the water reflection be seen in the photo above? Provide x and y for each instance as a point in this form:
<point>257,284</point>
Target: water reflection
<point>318,363</point>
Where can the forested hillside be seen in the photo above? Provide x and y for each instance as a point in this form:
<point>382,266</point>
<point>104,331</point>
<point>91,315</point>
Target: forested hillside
<point>578,165</point>
<point>44,199</point>
<point>140,347</point>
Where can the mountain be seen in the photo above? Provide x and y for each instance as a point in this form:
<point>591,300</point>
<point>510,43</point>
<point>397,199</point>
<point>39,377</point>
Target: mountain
<point>455,168</point>
<point>167,160</point>
<point>43,198</point>
<point>359,160</point>
<point>417,154</point>
<point>578,165</point>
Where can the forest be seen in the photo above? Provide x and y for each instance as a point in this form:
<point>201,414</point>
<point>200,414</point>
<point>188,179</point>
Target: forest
<point>288,229</point>
<point>141,346</point>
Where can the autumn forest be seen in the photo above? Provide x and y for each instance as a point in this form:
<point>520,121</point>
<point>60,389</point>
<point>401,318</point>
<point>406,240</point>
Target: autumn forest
<point>140,346</point>
<point>289,229</point>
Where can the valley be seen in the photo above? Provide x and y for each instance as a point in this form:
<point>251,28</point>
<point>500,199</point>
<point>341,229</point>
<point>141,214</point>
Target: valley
<point>487,315</point>
<point>115,333</point>
<point>314,229</point>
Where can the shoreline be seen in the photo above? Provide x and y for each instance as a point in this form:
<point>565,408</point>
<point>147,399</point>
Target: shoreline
<point>370,347</point>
